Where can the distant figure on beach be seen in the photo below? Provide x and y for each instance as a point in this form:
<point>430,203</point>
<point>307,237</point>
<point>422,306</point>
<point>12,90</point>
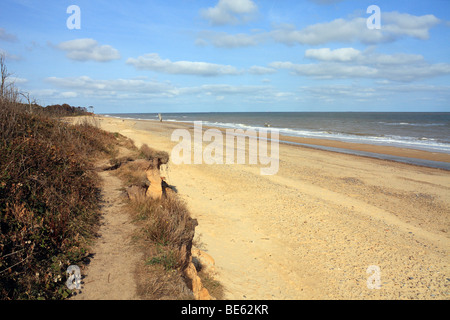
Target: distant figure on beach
<point>267,124</point>
<point>160,117</point>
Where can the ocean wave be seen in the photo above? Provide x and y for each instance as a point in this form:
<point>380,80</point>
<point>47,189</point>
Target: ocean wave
<point>421,142</point>
<point>411,124</point>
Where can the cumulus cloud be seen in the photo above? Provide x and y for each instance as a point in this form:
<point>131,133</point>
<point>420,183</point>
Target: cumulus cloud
<point>230,12</point>
<point>404,24</point>
<point>325,54</point>
<point>114,88</point>
<point>358,93</point>
<point>367,57</point>
<point>327,70</point>
<point>352,63</point>
<point>117,89</point>
<point>253,93</point>
<point>261,70</point>
<point>88,49</point>
<point>16,80</point>
<point>225,40</point>
<point>224,89</point>
<point>333,91</point>
<point>69,94</point>
<point>394,26</point>
<point>153,62</point>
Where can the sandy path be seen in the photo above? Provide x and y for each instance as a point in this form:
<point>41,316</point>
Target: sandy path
<point>110,273</point>
<point>313,230</point>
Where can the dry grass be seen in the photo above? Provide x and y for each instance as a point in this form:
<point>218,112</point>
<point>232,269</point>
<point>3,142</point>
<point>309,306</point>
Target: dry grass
<point>167,224</point>
<point>148,153</point>
<point>157,283</point>
<point>215,288</point>
<point>166,231</point>
<point>133,172</point>
<point>165,237</point>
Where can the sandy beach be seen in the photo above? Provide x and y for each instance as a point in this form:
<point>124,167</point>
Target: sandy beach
<point>315,229</point>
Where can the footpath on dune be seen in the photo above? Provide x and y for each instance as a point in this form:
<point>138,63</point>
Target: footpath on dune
<point>111,272</point>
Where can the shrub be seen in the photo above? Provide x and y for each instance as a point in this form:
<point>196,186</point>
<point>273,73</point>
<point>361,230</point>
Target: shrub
<point>48,200</point>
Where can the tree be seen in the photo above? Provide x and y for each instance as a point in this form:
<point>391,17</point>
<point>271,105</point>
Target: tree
<point>27,96</point>
<point>8,92</point>
<point>4,76</point>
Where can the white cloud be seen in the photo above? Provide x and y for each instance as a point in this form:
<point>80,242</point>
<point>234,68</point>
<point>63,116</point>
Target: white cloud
<point>250,93</point>
<point>327,70</point>
<point>69,94</point>
<point>339,90</point>
<point>325,54</point>
<point>355,92</point>
<point>366,57</point>
<point>261,70</point>
<point>407,72</point>
<point>16,80</point>
<point>352,63</point>
<point>88,49</point>
<point>394,25</point>
<point>86,86</point>
<point>221,89</point>
<point>153,62</point>
<point>408,88</point>
<point>225,40</point>
<point>140,89</point>
<point>391,59</point>
<point>230,12</point>
<point>404,24</point>
<point>43,93</point>
<point>339,30</point>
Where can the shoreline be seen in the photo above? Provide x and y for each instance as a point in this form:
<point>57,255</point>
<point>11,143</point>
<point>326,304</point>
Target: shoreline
<point>437,160</point>
<point>312,230</point>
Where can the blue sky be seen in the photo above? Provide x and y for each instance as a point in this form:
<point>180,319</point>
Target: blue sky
<point>230,55</point>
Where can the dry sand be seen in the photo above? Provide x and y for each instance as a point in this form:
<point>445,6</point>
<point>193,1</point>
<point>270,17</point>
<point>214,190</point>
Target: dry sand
<point>312,230</point>
<point>111,271</point>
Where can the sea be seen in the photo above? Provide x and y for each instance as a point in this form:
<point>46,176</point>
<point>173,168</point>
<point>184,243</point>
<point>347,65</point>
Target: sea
<point>429,131</point>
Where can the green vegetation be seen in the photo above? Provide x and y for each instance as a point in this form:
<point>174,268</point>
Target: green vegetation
<point>48,196</point>
<point>165,232</point>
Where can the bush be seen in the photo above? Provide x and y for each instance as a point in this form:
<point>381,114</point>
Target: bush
<point>48,200</point>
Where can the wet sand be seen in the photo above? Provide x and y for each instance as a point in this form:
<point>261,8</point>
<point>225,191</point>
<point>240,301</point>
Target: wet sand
<point>315,229</point>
